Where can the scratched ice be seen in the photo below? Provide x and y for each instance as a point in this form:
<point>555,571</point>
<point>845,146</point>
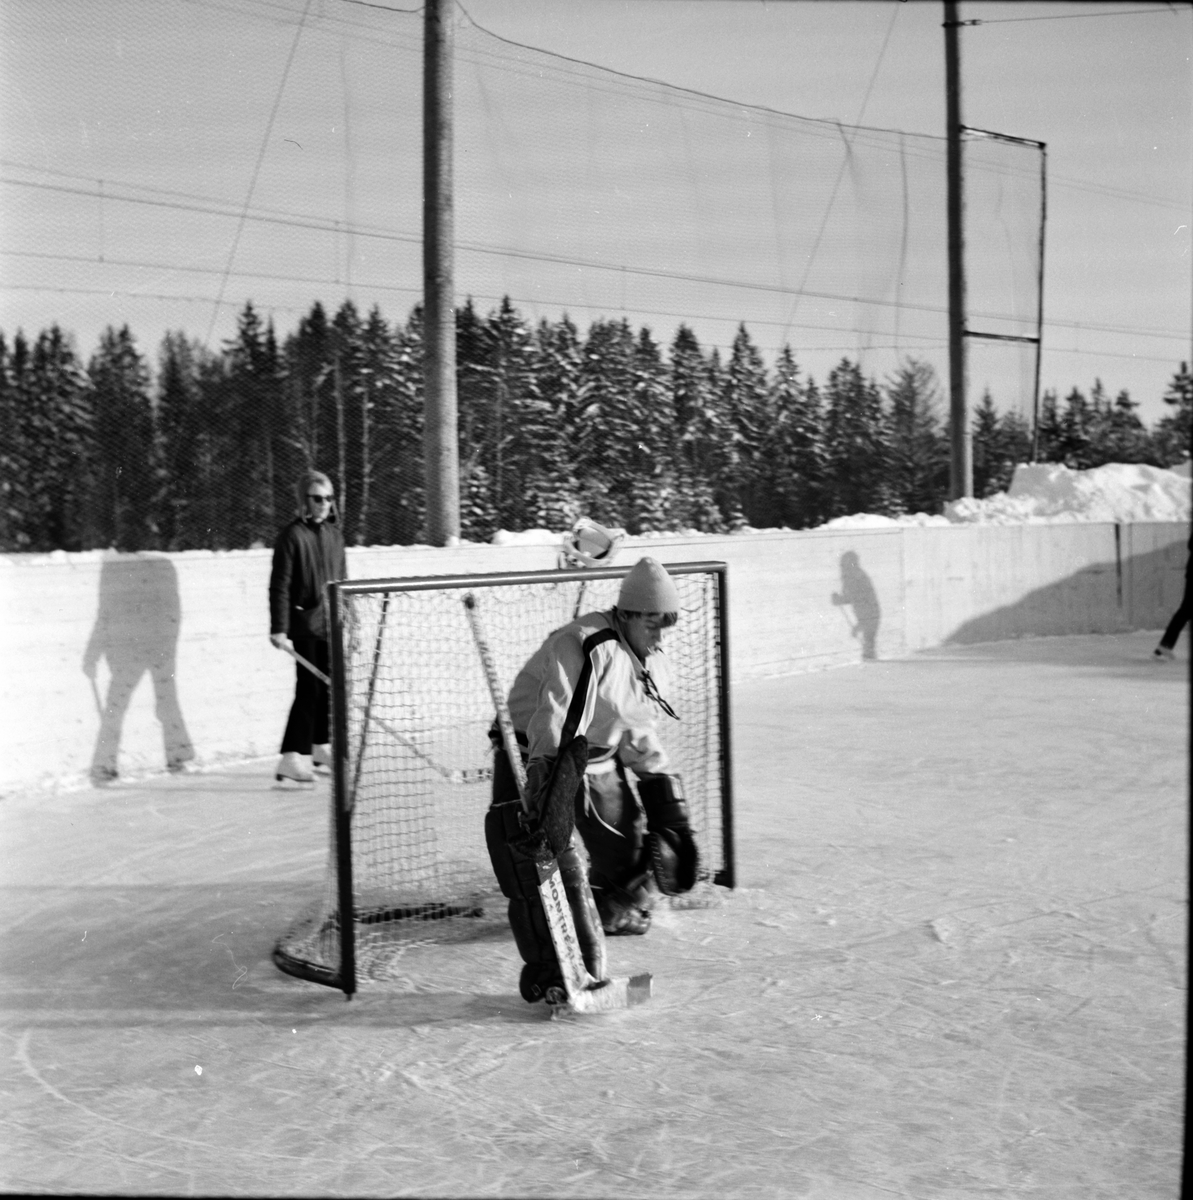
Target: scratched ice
<point>955,967</point>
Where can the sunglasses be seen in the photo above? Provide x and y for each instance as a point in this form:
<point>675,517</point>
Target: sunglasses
<point>319,499</point>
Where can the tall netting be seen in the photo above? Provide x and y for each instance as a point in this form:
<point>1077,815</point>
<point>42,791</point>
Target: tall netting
<point>1004,247</point>
<point>414,781</point>
<point>617,196</point>
<point>577,191</point>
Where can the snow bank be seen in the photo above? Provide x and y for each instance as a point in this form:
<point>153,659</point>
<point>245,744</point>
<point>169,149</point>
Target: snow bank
<point>873,521</point>
<point>1047,492</point>
<point>1050,492</point>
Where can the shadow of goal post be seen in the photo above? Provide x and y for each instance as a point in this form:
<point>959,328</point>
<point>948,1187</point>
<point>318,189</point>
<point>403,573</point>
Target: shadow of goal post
<point>412,756</point>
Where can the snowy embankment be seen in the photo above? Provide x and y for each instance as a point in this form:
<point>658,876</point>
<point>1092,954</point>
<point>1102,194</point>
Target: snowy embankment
<point>1046,492</point>
<point>1040,493</point>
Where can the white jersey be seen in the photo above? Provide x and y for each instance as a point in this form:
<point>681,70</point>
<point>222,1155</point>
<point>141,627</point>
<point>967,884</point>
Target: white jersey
<point>616,711</point>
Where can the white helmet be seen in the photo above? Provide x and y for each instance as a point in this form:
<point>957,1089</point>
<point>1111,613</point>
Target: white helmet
<point>589,545</point>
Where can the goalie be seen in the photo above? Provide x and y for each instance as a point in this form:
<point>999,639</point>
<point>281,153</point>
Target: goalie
<point>589,685</point>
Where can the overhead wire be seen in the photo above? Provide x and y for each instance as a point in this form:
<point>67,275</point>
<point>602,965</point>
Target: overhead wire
<point>697,97</point>
<point>248,199</point>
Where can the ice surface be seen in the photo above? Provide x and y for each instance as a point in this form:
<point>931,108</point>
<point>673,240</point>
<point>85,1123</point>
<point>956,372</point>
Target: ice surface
<point>955,967</point>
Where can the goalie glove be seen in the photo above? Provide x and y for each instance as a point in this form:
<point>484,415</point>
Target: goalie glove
<point>669,840</point>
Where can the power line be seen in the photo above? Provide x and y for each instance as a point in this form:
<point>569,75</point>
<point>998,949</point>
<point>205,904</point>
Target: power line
<point>1120,12</point>
<point>466,247</point>
<point>923,341</point>
<point>323,281</point>
<point>248,199</point>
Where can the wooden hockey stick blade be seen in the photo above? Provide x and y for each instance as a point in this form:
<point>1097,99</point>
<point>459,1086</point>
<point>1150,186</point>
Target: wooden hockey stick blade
<point>584,994</point>
<point>611,995</point>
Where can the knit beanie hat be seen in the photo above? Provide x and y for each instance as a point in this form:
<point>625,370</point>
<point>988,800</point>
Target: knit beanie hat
<point>648,589</point>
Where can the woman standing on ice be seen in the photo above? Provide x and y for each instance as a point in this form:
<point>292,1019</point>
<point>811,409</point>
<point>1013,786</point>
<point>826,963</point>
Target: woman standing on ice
<point>308,554</point>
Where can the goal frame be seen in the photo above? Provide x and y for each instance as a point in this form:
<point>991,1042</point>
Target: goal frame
<point>342,792</point>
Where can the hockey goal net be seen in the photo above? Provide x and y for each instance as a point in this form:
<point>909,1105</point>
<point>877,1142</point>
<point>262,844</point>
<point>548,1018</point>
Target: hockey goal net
<point>412,764</point>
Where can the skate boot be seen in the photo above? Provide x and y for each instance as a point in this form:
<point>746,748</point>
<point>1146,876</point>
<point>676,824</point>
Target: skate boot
<point>620,912</point>
<point>291,767</point>
<point>321,757</point>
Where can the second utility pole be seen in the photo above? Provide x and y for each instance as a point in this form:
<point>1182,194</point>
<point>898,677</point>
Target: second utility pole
<point>961,450</point>
<point>440,447</point>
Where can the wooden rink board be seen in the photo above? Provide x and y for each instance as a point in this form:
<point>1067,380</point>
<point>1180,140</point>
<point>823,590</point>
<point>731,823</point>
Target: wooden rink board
<point>955,967</point>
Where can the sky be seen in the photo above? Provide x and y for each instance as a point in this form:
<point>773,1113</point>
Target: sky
<point>163,161</point>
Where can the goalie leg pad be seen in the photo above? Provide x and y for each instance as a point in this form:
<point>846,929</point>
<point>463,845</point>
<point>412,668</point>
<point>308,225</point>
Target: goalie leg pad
<point>517,875</point>
<point>514,859</point>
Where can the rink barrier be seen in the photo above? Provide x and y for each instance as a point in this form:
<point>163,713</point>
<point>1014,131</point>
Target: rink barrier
<point>185,636</point>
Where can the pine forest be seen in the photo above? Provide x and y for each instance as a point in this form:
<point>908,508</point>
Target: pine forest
<point>201,449</point>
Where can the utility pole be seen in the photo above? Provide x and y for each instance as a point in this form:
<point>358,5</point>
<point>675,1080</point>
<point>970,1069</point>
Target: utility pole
<point>441,453</point>
<point>961,450</point>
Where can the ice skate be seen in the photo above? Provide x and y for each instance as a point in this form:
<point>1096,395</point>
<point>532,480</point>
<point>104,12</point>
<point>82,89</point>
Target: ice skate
<point>1164,653</point>
<point>292,768</point>
<point>321,757</point>
<point>621,919</point>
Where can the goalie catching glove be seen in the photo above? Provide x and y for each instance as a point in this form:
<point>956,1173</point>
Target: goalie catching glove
<point>670,845</point>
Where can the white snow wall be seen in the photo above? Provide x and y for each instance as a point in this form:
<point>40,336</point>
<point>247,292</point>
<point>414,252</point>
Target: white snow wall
<point>798,601</point>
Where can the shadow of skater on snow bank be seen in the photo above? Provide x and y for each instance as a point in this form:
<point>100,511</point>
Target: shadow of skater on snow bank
<point>857,592</point>
<point>136,631</point>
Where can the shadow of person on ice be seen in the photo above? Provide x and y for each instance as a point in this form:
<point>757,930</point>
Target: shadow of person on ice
<point>857,592</point>
<point>136,630</point>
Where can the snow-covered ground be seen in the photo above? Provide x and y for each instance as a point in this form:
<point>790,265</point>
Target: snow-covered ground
<point>955,967</point>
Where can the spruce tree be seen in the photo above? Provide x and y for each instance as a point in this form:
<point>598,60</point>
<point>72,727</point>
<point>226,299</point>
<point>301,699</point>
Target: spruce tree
<point>126,467</point>
<point>693,435</point>
<point>798,451</point>
<point>187,445</point>
<point>1076,420</point>
<point>251,399</point>
<point>11,456</point>
<point>855,437</point>
<point>1049,430</point>
<point>1172,435</point>
<point>513,404</point>
<point>650,477</point>
<point>918,460</point>
<point>1117,434</point>
<point>608,434</point>
<point>55,434</point>
<point>308,357</point>
<point>987,465</point>
<point>401,504</point>
<point>745,487</point>
<point>553,489</point>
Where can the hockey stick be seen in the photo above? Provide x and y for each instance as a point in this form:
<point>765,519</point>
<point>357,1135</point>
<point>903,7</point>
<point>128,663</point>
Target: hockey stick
<point>584,994</point>
<point>469,775</point>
